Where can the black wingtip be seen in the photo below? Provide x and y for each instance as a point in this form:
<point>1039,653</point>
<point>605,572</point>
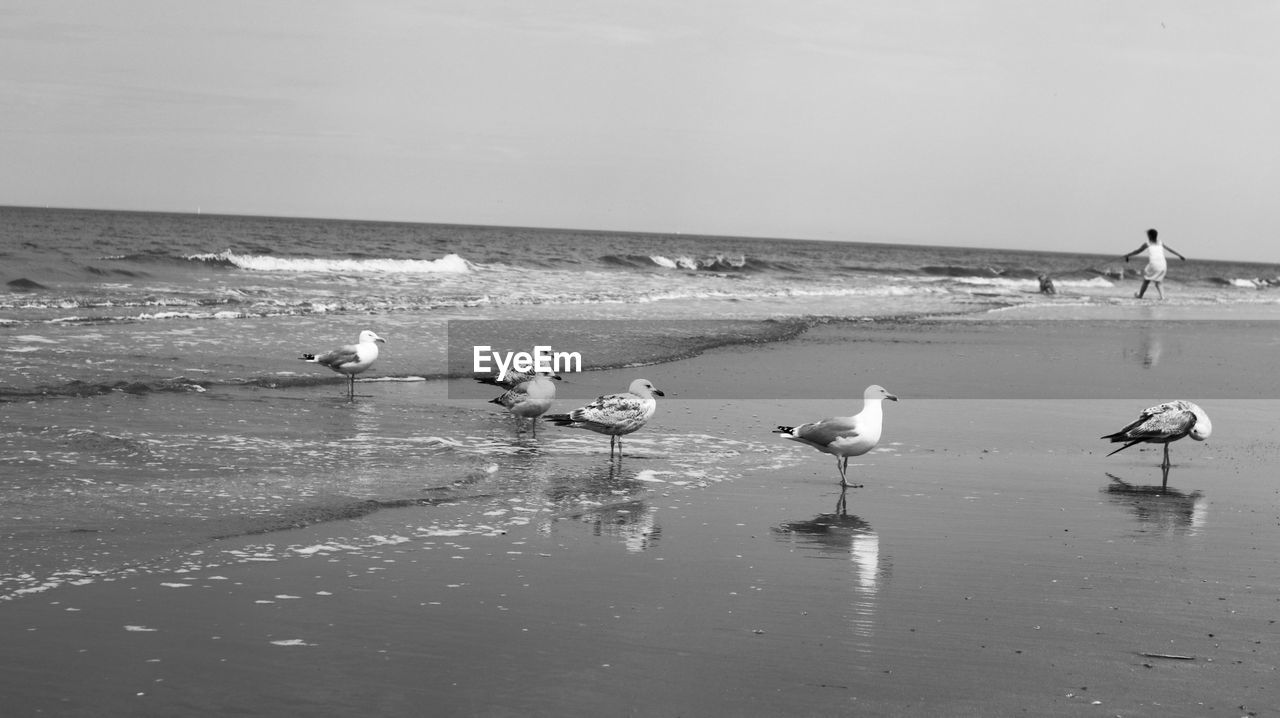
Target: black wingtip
<point>785,429</point>
<point>1122,448</point>
<point>308,357</point>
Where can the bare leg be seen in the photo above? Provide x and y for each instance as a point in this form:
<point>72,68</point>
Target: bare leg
<point>1159,290</point>
<point>1143,289</point>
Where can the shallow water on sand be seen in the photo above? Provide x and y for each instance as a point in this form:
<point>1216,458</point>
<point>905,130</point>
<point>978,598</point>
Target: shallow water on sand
<point>980,570</point>
<point>145,476</point>
<point>996,561</point>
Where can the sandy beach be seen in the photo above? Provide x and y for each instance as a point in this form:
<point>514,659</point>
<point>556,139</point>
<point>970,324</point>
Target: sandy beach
<point>995,561</point>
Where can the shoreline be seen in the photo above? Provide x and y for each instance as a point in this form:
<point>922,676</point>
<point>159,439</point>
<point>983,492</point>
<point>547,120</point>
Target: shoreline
<point>995,562</point>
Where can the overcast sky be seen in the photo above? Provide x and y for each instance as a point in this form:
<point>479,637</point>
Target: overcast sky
<point>1070,125</point>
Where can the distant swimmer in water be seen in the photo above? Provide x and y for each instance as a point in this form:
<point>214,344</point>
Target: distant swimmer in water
<point>1156,264</point>
<point>1046,285</point>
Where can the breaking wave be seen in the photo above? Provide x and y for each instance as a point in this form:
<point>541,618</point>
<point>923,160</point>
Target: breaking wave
<point>448,264</point>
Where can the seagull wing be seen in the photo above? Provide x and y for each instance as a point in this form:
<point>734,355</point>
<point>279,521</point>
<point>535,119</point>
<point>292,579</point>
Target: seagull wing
<point>514,395</point>
<point>509,381</point>
<point>827,431</point>
<point>1173,419</point>
<point>610,410</point>
<point>1165,421</point>
<point>340,356</point>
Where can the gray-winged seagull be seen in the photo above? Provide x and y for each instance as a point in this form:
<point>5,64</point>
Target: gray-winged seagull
<point>845,436</point>
<point>350,359</point>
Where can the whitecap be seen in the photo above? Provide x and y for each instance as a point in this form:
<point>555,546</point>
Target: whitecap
<point>450,263</point>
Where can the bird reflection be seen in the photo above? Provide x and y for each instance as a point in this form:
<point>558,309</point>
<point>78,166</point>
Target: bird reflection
<point>843,536</point>
<point>1159,509</point>
<point>633,522</point>
<point>611,492</point>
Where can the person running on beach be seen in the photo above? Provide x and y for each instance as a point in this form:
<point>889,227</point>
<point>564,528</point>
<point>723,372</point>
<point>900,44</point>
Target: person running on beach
<point>1156,264</point>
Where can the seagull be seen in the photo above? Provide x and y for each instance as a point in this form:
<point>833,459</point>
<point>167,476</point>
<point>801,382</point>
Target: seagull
<point>351,359</point>
<point>529,398</point>
<point>614,414</point>
<point>512,379</point>
<point>1163,424</point>
<point>845,436</point>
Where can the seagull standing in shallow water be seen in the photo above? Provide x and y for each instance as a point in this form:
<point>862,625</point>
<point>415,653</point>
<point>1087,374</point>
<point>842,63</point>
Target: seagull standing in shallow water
<point>845,436</point>
<point>350,359</point>
<point>614,414</point>
<point>511,379</point>
<point>530,398</point>
<point>1163,424</point>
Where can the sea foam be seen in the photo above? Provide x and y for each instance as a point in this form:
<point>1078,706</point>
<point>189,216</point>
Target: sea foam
<point>450,263</point>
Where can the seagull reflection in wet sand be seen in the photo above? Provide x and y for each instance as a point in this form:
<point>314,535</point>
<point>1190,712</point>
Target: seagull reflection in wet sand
<point>842,536</point>
<point>1159,508</point>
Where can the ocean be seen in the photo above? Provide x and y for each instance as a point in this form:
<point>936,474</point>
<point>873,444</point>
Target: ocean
<point>105,301</point>
<point>153,400</point>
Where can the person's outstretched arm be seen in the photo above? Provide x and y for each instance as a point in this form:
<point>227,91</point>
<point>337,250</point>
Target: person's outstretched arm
<point>1175,253</point>
<point>1136,251</point>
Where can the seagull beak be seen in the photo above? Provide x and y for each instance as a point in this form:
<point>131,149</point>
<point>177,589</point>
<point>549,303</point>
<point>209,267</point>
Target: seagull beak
<point>890,397</point>
<point>658,392</point>
<point>380,339</point>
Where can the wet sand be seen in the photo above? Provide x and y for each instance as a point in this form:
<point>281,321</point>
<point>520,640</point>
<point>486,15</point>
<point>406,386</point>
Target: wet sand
<point>995,562</point>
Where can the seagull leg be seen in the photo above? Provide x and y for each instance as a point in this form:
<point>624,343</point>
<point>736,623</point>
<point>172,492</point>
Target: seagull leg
<point>842,504</point>
<point>1165,464</point>
<point>844,473</point>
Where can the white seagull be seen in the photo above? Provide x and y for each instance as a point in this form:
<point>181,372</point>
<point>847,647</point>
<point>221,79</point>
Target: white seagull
<point>1163,424</point>
<point>614,414</point>
<point>350,359</point>
<point>845,436</point>
<point>529,399</point>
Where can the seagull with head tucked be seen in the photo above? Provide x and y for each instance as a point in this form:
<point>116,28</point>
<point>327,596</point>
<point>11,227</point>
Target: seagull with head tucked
<point>845,436</point>
<point>350,359</point>
<point>1164,424</point>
